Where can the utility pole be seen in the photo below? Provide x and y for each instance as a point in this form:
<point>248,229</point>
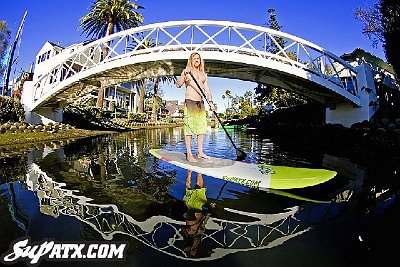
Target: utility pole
<point>10,59</point>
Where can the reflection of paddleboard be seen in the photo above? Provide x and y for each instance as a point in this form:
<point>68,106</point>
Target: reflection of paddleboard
<point>261,176</point>
<point>290,195</point>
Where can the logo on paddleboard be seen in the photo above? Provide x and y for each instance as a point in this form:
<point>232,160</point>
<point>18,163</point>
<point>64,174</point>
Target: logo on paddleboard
<point>243,181</point>
<point>265,170</point>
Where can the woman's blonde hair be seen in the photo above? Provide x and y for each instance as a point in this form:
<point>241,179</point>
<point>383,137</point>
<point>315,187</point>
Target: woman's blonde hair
<point>189,62</point>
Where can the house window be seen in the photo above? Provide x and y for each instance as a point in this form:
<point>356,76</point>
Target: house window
<point>43,57</point>
<point>349,85</point>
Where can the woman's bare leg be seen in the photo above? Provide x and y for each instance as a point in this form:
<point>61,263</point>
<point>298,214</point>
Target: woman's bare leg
<point>199,180</point>
<point>200,142</point>
<point>188,143</point>
<point>188,179</point>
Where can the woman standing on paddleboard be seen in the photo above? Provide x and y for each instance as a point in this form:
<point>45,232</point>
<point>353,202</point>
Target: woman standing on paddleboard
<point>195,115</point>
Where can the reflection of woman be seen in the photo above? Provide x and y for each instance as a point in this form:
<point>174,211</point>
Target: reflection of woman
<point>197,215</point>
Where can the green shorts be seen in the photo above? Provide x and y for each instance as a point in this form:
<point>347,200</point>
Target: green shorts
<point>195,198</point>
<point>195,117</point>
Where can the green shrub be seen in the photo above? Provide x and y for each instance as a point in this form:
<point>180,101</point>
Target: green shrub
<point>137,117</point>
<point>120,114</point>
<point>11,110</point>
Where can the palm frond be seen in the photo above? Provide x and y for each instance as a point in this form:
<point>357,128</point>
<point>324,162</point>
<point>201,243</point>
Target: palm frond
<point>121,14</point>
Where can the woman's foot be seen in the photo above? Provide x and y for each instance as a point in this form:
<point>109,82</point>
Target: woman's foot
<point>202,156</point>
<point>191,159</point>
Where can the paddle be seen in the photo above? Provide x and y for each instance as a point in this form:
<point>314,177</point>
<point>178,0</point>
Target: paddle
<point>240,155</point>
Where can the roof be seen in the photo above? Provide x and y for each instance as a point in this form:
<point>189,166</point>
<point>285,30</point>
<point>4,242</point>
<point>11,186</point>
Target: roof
<point>53,44</point>
<point>370,58</point>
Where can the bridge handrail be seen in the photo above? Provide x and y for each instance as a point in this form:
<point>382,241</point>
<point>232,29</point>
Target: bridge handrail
<point>119,43</point>
<point>244,26</point>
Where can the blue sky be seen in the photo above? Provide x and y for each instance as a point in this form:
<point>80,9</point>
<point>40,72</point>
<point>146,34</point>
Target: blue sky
<point>329,24</point>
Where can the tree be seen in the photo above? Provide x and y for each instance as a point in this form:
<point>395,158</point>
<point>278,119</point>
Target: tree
<point>107,17</point>
<point>141,92</point>
<point>274,24</point>
<point>224,97</point>
<point>156,82</point>
<point>277,97</point>
<point>228,95</point>
<point>381,24</point>
<point>155,96</point>
<point>246,109</point>
<point>144,44</point>
<point>149,43</point>
<point>271,95</point>
<point>5,35</point>
<point>144,88</point>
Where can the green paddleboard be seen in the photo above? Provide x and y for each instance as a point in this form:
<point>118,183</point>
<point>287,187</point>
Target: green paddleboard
<point>260,176</point>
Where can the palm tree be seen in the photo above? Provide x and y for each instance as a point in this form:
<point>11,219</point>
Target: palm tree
<point>144,43</point>
<point>140,87</point>
<point>155,96</point>
<point>229,96</point>
<point>156,82</point>
<point>141,92</point>
<point>107,17</point>
<point>223,97</point>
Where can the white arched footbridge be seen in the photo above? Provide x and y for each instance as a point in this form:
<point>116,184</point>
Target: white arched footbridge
<point>231,50</point>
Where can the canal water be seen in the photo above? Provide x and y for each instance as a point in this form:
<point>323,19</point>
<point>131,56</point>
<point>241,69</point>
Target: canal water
<point>111,189</point>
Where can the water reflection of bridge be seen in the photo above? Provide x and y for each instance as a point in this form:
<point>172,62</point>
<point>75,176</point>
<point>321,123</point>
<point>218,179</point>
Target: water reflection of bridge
<point>162,233</point>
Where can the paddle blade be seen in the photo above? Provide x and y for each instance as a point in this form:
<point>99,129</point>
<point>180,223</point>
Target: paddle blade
<point>240,155</point>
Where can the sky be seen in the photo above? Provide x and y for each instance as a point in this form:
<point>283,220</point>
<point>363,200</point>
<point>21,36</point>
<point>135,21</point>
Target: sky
<point>328,24</point>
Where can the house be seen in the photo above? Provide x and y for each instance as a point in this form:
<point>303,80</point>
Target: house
<point>119,95</point>
<point>375,62</point>
<point>42,63</point>
<point>173,108</point>
<point>387,89</point>
<point>48,71</point>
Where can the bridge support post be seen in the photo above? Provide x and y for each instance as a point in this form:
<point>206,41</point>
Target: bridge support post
<point>42,115</point>
<point>347,114</point>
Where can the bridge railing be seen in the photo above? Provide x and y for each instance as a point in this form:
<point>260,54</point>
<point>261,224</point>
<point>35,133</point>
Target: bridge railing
<point>228,38</point>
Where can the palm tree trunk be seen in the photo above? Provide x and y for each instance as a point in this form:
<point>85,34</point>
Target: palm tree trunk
<point>100,98</point>
<point>110,27</point>
<point>100,94</point>
<point>141,97</point>
<point>155,104</point>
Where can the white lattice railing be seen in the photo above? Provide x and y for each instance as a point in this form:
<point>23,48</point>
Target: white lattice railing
<point>228,38</point>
